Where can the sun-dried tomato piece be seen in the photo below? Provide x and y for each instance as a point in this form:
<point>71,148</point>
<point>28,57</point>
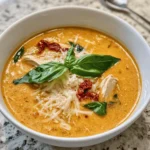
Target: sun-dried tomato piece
<point>91,95</point>
<point>84,93</point>
<point>80,93</point>
<point>51,46</point>
<point>65,49</point>
<point>87,84</point>
<point>41,46</point>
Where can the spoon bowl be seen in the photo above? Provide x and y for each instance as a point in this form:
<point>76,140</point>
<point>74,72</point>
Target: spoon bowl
<point>121,5</point>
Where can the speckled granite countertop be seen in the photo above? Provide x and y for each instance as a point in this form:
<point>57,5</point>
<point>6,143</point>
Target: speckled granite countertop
<point>137,137</point>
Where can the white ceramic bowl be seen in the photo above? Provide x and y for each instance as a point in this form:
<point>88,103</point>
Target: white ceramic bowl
<point>82,17</point>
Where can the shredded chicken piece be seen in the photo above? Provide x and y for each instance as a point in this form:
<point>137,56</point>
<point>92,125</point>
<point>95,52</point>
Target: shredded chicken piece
<point>45,57</point>
<point>31,60</point>
<point>107,85</point>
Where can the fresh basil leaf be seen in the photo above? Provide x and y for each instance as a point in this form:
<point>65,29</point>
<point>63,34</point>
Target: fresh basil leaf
<point>93,65</point>
<point>19,54</point>
<point>98,107</point>
<point>43,73</point>
<point>78,47</point>
<point>70,58</point>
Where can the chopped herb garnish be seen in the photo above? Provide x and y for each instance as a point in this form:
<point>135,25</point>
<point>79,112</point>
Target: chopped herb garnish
<point>115,100</point>
<point>111,102</point>
<point>78,47</point>
<point>109,45</point>
<point>19,54</point>
<point>115,96</point>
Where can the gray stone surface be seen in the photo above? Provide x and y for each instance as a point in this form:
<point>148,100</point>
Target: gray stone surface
<point>137,137</point>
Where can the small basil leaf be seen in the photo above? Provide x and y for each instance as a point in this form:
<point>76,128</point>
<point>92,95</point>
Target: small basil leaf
<point>43,73</point>
<point>93,65</point>
<point>78,47</point>
<point>70,58</point>
<point>19,54</point>
<point>98,107</point>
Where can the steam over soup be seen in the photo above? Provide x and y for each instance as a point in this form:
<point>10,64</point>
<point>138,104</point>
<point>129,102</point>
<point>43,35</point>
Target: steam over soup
<point>71,82</point>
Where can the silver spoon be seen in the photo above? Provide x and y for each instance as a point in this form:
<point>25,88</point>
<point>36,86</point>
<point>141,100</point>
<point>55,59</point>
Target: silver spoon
<point>121,5</point>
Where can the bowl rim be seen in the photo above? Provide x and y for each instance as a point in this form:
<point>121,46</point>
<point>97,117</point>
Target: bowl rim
<point>121,127</point>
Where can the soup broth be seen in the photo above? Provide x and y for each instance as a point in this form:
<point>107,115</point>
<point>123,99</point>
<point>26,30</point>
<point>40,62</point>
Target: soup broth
<point>59,106</point>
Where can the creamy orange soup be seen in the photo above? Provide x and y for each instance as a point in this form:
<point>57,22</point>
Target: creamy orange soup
<point>56,107</point>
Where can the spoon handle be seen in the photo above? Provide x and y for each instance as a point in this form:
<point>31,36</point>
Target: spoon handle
<point>147,21</point>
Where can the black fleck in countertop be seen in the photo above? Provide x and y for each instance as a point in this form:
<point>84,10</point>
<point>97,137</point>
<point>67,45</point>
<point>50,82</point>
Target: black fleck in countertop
<point>136,137</point>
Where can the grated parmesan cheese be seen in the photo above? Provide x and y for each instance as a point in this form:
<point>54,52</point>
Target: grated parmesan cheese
<point>57,100</point>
